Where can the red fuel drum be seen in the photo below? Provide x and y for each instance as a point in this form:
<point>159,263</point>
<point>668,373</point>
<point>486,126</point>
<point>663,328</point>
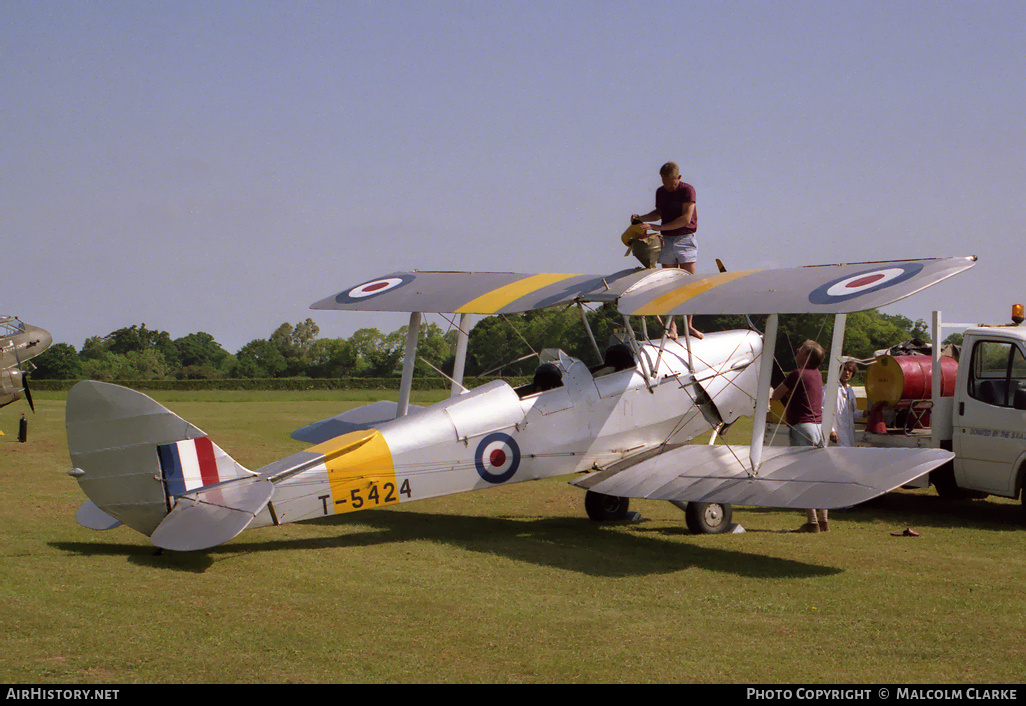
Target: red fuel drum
<point>899,379</point>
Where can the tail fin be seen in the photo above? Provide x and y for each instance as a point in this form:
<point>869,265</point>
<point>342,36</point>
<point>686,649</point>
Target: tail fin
<point>134,457</point>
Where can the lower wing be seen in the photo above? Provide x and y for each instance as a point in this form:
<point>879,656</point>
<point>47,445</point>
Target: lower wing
<point>800,478</point>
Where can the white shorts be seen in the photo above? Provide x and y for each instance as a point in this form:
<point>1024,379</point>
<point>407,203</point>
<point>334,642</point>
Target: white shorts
<point>678,249</point>
<point>806,434</point>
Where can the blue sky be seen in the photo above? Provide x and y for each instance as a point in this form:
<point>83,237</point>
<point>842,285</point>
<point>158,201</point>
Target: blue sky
<point>219,166</point>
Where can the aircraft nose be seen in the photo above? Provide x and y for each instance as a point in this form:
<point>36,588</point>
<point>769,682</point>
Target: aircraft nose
<point>42,338</point>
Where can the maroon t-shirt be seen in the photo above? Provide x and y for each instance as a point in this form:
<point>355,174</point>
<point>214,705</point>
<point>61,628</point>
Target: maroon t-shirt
<point>671,207</point>
<point>806,402</point>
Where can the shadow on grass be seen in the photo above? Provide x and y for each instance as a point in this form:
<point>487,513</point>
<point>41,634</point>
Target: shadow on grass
<point>570,544</point>
<point>149,556</point>
<point>922,509</point>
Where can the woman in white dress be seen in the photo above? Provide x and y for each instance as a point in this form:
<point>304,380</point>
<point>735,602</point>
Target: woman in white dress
<point>843,433</point>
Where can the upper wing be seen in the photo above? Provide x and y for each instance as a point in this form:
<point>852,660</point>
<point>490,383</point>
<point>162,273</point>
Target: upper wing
<point>800,477</point>
<point>798,290</point>
<point>478,292</point>
<point>818,289</point>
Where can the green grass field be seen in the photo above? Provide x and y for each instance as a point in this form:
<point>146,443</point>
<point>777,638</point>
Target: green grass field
<point>507,585</point>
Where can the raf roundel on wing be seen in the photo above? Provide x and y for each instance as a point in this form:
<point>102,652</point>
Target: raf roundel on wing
<point>373,288</point>
<point>864,282</point>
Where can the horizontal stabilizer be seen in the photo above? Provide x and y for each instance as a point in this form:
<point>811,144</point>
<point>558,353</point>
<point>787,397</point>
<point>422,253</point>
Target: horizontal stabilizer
<point>92,517</point>
<point>213,515</point>
<point>801,478</point>
<point>358,419</point>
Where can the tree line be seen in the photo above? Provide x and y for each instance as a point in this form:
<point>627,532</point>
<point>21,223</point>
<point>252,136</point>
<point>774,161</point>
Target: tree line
<point>498,345</point>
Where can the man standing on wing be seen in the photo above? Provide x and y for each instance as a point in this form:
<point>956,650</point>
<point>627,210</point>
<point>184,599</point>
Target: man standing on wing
<point>675,209</point>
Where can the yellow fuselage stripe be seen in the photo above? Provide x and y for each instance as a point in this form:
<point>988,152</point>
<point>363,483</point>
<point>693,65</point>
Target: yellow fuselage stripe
<point>665,303</point>
<point>360,471</point>
<point>494,300</point>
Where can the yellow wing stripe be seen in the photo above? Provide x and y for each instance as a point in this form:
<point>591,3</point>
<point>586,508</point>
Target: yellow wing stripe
<point>674,298</point>
<point>494,300</point>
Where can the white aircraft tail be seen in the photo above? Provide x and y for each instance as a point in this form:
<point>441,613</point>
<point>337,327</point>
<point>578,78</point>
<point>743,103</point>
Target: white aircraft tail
<point>136,461</point>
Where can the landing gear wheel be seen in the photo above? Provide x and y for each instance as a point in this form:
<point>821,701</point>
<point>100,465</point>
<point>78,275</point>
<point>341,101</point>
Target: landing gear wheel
<point>605,508</point>
<point>708,518</point>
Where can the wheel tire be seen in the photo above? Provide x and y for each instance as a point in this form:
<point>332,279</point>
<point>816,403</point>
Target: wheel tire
<point>605,508</point>
<point>943,480</point>
<point>708,518</point>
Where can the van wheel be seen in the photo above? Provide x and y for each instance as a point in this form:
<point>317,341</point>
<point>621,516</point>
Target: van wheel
<point>943,480</point>
<point>708,518</point>
<point>605,508</point>
<point>1022,497</point>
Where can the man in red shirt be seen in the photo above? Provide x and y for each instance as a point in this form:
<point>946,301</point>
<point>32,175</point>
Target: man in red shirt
<point>804,412</point>
<point>675,208</point>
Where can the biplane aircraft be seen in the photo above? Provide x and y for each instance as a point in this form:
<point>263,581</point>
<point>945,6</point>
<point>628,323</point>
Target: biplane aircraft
<point>19,343</point>
<point>623,426</point>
